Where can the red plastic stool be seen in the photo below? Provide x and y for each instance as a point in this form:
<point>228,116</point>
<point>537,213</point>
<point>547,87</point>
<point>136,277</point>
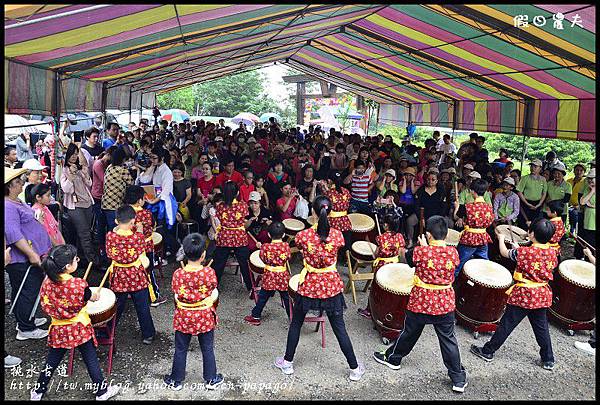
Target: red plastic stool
<point>319,320</point>
<point>109,341</point>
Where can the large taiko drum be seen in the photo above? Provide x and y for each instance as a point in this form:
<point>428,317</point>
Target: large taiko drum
<point>389,297</point>
<point>364,250</point>
<point>312,219</point>
<point>157,240</point>
<point>452,238</point>
<point>256,264</point>
<point>481,291</point>
<point>292,226</point>
<point>104,309</point>
<point>293,286</point>
<point>363,227</point>
<point>573,291</point>
<point>511,233</point>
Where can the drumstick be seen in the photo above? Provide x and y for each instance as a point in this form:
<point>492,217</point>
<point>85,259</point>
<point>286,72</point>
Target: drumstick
<point>512,238</point>
<point>87,270</point>
<point>209,263</point>
<point>105,277</point>
<point>377,222</point>
<point>583,242</point>
<point>182,265</point>
<point>253,238</point>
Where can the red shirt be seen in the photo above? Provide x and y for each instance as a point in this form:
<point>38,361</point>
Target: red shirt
<point>558,233</point>
<point>145,218</point>
<point>232,232</point>
<point>64,300</point>
<point>126,247</point>
<point>245,191</point>
<point>340,201</point>
<point>260,167</point>
<point>434,265</point>
<point>320,255</point>
<point>289,213</point>
<point>389,246</point>
<point>535,263</point>
<point>206,186</point>
<point>479,215</point>
<point>276,253</point>
<point>193,284</point>
<point>222,178</point>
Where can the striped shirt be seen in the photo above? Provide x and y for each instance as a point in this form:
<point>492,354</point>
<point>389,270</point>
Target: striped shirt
<point>360,187</point>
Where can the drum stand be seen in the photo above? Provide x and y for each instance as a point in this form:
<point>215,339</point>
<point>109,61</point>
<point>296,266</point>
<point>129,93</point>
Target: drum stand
<point>569,325</point>
<point>353,274</point>
<point>476,326</point>
<point>108,341</point>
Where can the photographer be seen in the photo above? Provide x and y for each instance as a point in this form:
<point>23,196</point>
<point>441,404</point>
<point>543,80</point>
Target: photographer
<point>287,203</point>
<point>257,221</point>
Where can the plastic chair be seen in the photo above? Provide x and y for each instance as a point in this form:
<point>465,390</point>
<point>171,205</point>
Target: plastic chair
<point>319,320</point>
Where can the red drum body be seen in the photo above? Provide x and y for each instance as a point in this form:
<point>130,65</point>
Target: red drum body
<point>517,234</point>
<point>363,227</point>
<point>104,309</point>
<point>255,263</point>
<point>573,292</point>
<point>389,297</point>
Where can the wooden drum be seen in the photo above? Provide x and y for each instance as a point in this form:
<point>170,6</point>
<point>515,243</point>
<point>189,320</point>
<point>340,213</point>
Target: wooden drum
<point>292,226</point>
<point>157,240</point>
<point>364,250</point>
<point>519,236</point>
<point>104,309</point>
<point>293,286</point>
<point>573,292</point>
<point>389,297</point>
<point>312,220</point>
<point>452,238</point>
<point>481,291</point>
<point>362,227</point>
<point>256,264</point>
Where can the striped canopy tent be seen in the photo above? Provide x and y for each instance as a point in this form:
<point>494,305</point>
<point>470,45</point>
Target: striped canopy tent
<point>461,66</point>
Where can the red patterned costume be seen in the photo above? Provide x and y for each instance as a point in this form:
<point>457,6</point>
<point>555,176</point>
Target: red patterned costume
<point>65,300</point>
<point>275,256</point>
<point>340,201</point>
<point>434,265</point>
<point>124,248</point>
<point>318,255</point>
<point>389,245</point>
<point>558,233</point>
<point>192,285</point>
<point>231,232</point>
<point>144,217</point>
<point>480,216</point>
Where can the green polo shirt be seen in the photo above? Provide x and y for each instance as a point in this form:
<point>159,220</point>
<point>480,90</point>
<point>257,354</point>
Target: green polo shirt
<point>589,213</point>
<point>558,193</point>
<point>465,197</point>
<point>531,188</point>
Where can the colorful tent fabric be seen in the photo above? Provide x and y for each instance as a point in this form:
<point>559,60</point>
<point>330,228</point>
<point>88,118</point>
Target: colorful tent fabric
<point>463,65</point>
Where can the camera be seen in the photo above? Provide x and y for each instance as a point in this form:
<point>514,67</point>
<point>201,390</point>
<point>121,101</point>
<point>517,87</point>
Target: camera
<point>144,160</point>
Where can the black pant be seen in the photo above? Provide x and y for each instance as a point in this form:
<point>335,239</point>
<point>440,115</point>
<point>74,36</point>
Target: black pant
<point>141,300</point>
<point>171,244</point>
<point>88,352</point>
<point>242,254</point>
<point>336,319</point>
<point>150,270</point>
<point>511,318</point>
<point>532,215</point>
<point>592,340</point>
<point>588,236</point>
<point>263,297</point>
<point>82,221</point>
<point>24,303</point>
<point>182,343</point>
<point>444,329</point>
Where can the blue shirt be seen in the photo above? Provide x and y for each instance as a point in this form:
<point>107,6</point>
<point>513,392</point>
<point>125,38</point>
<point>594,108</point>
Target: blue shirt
<point>107,143</point>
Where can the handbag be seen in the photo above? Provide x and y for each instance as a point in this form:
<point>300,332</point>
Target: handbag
<point>301,210</point>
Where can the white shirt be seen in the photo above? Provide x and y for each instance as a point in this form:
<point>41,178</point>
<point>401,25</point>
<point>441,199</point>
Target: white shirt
<point>162,177</point>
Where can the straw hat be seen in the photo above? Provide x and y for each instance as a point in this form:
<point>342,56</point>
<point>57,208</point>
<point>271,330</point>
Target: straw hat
<point>391,172</point>
<point>536,162</point>
<point>474,175</point>
<point>10,174</point>
<point>411,169</point>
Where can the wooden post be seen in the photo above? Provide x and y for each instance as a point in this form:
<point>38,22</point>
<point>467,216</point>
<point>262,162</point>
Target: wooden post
<point>300,102</point>
<point>130,103</point>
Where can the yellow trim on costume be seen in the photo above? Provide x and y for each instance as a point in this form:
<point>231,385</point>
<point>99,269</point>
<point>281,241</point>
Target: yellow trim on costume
<point>310,269</point>
<point>523,282</point>
<point>64,277</point>
<point>275,269</point>
<point>474,230</point>
<point>541,245</point>
<point>337,214</point>
<point>393,259</point>
<point>434,242</point>
<point>123,232</point>
<point>82,317</point>
<point>206,303</point>
<point>479,199</point>
<point>420,283</point>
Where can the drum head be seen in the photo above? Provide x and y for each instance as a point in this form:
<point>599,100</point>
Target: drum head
<point>214,294</point>
<point>156,238</point>
<point>361,222</point>
<point>452,238</point>
<point>519,235</point>
<point>578,272</point>
<point>488,273</point>
<point>107,300</point>
<point>312,220</point>
<point>255,259</point>
<point>294,282</point>
<point>396,278</point>
<point>364,248</point>
<point>293,224</point>
<point>145,261</point>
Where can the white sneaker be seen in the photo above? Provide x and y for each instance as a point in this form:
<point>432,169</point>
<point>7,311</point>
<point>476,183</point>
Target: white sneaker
<point>357,373</point>
<point>38,322</point>
<point>35,396</point>
<point>586,347</point>
<point>11,361</point>
<point>287,367</point>
<point>34,334</point>
<point>111,391</point>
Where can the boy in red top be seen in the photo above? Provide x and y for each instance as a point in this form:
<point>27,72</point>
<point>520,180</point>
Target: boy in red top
<point>531,295</point>
<point>276,277</point>
<point>195,289</point>
<point>390,244</point>
<point>554,211</point>
<point>431,301</point>
<point>247,187</point>
<point>127,274</point>
<point>229,174</point>
<point>340,200</point>
<point>479,216</point>
<point>134,196</point>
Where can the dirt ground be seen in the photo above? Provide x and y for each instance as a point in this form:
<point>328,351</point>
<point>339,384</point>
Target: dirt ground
<point>245,356</point>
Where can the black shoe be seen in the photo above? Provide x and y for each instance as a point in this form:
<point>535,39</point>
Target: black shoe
<point>215,382</point>
<point>148,340</point>
<point>478,351</point>
<point>459,386</point>
<point>172,384</point>
<point>380,357</point>
<point>547,365</point>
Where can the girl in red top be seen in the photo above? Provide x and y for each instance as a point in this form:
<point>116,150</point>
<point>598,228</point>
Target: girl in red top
<point>195,315</point>
<point>554,211</point>
<point>64,298</point>
<point>205,183</point>
<point>320,288</point>
<point>340,200</point>
<point>231,234</point>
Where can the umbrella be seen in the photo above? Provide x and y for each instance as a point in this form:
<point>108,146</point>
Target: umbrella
<point>13,120</point>
<point>246,118</point>
<point>265,117</point>
<point>176,115</point>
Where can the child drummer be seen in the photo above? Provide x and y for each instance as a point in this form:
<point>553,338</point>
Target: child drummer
<point>127,273</point>
<point>134,196</point>
<point>531,295</point>
<point>275,255</point>
<point>390,245</point>
<point>431,301</point>
<point>64,298</point>
<point>195,315</point>
<point>553,211</point>
<point>479,216</point>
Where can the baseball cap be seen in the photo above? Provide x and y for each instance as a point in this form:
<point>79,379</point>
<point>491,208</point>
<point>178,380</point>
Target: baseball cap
<point>475,175</point>
<point>391,172</point>
<point>251,140</point>
<point>509,180</point>
<point>219,138</point>
<point>254,196</point>
<point>411,169</point>
<point>406,139</point>
<point>33,164</point>
<point>470,166</point>
<point>536,162</point>
<point>591,174</point>
<point>135,128</point>
<point>560,167</point>
<point>433,170</point>
<point>187,143</point>
<point>449,170</point>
